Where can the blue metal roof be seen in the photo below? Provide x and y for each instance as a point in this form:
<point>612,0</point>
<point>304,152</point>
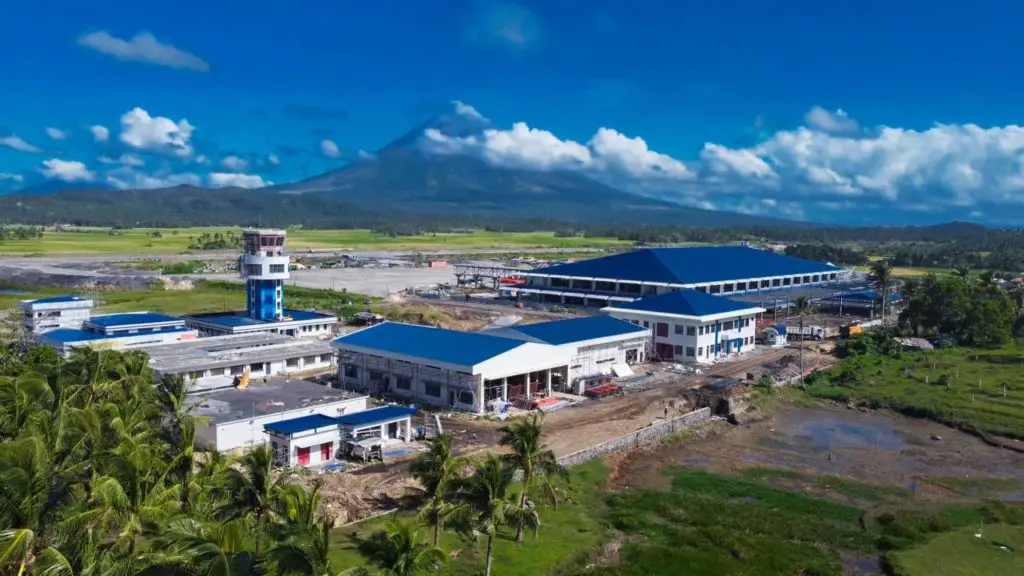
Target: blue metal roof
<point>236,319</point>
<point>558,332</point>
<point>72,335</point>
<point>130,319</point>
<point>438,344</point>
<point>301,424</point>
<point>686,303</point>
<point>694,265</point>
<point>58,299</point>
<point>375,416</point>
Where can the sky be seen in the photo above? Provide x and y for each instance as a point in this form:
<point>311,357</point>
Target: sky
<point>844,112</point>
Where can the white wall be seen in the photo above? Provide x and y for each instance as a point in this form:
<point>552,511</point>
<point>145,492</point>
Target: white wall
<point>245,434</point>
<point>217,377</point>
<point>702,338</point>
<point>125,342</point>
<point>591,360</point>
<point>312,439</point>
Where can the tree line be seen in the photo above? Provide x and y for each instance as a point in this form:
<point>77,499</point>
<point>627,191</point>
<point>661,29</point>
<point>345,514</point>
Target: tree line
<point>8,233</point>
<point>99,475</point>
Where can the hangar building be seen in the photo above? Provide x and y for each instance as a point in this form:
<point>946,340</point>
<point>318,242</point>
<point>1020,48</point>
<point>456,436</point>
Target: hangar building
<point>692,326</point>
<point>467,370</point>
<point>648,272</point>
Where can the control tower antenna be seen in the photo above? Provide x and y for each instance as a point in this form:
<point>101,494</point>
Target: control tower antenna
<point>264,267</point>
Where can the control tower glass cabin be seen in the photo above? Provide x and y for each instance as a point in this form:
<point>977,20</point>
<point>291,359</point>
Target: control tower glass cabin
<point>264,267</point>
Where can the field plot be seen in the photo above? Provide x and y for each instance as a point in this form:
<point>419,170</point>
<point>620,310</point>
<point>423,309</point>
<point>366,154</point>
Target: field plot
<point>176,241</point>
<point>960,387</point>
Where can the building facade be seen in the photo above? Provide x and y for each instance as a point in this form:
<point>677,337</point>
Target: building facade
<point>119,331</point>
<point>45,314</point>
<point>691,326</point>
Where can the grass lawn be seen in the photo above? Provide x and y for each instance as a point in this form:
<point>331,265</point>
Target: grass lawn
<point>955,386</point>
<point>142,241</point>
<point>908,272</point>
<point>999,550</point>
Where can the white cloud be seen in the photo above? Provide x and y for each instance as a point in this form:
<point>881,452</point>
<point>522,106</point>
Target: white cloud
<point>99,133</point>
<point>839,121</point>
<point>156,134</point>
<point>66,170</point>
<point>56,133</point>
<point>467,110</point>
<point>15,143</point>
<point>16,178</point>
<point>143,47</point>
<point>363,154</point>
<point>273,159</point>
<point>329,149</point>
<point>202,159</point>
<point>125,177</point>
<point>505,23</point>
<point>231,179</point>
<point>124,160</point>
<point>790,173</point>
<point>234,164</point>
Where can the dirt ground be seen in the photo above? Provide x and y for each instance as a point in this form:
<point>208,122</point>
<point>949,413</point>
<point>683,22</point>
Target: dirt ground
<point>353,495</point>
<point>872,447</point>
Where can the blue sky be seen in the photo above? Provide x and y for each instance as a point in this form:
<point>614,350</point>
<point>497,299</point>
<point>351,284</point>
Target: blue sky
<point>797,109</point>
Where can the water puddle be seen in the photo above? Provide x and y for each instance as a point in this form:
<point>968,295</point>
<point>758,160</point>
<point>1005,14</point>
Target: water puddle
<point>831,433</point>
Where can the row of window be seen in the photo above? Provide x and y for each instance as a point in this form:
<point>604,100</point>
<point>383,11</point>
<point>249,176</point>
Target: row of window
<point>257,269</point>
<point>259,367</point>
<point>690,351</point>
<point>629,287</point>
<point>702,329</point>
<point>430,388</point>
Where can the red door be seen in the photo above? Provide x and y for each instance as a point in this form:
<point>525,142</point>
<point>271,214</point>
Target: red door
<point>325,451</point>
<point>661,330</point>
<point>304,456</point>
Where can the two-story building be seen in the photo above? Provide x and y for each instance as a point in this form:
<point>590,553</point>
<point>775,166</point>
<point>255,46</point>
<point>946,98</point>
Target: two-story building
<point>692,326</point>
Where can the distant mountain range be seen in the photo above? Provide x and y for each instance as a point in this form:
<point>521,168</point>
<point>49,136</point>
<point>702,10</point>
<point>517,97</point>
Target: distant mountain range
<point>401,178</point>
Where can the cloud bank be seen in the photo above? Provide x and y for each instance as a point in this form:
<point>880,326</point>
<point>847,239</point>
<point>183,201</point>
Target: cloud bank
<point>143,47</point>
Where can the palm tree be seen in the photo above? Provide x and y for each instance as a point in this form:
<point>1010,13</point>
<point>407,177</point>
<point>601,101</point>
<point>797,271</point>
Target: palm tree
<point>253,491</point>
<point>492,504</point>
<point>963,273</point>
<point>212,549</point>
<point>404,554</point>
<point>531,456</point>
<point>801,306</point>
<point>437,470</point>
<point>987,279</point>
<point>881,279</point>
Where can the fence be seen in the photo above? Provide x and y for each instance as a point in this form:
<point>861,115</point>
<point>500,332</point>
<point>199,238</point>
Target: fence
<point>636,439</point>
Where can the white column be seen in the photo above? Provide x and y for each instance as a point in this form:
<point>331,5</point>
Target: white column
<point>383,431</point>
<point>408,429</point>
<point>529,379</point>
<point>504,389</point>
<point>549,382</point>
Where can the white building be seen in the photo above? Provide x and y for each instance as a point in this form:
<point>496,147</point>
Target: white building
<point>460,370</point>
<point>215,362</point>
<point>318,439</point>
<point>119,331</point>
<point>237,416</point>
<point>692,326</point>
<point>595,343</point>
<point>45,314</point>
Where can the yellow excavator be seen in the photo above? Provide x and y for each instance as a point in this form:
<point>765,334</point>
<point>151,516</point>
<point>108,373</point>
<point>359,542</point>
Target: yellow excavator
<point>243,380</point>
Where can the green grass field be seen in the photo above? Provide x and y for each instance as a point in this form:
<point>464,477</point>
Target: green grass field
<point>955,386</point>
<point>999,550</point>
<point>142,241</point>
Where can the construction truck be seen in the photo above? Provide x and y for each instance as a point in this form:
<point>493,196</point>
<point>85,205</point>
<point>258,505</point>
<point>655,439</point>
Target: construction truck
<point>811,332</point>
<point>851,329</point>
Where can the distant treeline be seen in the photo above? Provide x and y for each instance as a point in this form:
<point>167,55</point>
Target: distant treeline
<point>20,233</point>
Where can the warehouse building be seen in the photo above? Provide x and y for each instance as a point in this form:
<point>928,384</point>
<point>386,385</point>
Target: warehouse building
<point>692,326</point>
<point>45,314</point>
<point>649,272</point>
<point>318,439</point>
<point>216,362</point>
<point>595,343</point>
<point>236,416</point>
<point>119,331</point>
<point>291,323</point>
<point>459,370</point>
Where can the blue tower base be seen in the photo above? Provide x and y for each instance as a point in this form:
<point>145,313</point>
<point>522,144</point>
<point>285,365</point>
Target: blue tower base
<point>261,299</point>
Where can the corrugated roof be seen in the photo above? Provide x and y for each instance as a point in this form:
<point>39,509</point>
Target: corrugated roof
<point>59,299</point>
<point>70,335</point>
<point>438,344</point>
<point>558,332</point>
<point>301,424</point>
<point>375,416</point>
<point>131,319</point>
<point>694,265</point>
<point>686,303</point>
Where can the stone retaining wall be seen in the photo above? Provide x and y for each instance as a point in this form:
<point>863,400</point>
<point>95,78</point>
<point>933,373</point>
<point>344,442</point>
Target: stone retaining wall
<point>636,439</point>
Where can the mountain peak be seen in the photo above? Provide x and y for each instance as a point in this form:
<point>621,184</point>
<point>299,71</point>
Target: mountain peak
<point>459,121</point>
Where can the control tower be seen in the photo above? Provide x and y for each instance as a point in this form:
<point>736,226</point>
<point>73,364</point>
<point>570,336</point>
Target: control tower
<point>264,267</point>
